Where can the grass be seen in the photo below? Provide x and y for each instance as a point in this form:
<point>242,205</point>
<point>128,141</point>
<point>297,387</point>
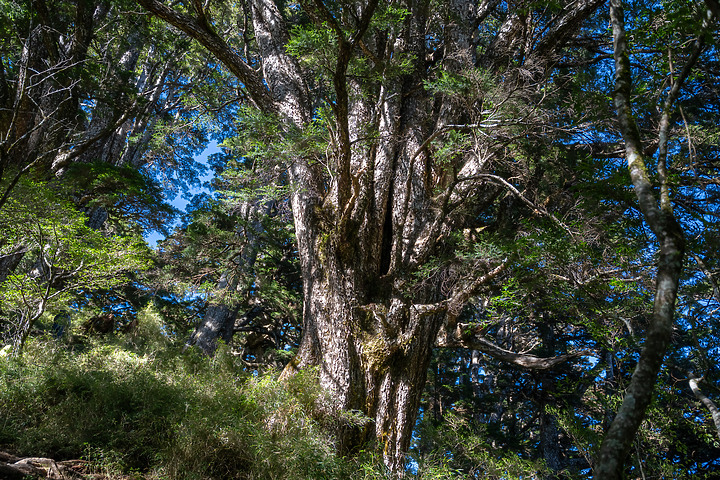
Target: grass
<point>138,406</point>
<point>161,413</point>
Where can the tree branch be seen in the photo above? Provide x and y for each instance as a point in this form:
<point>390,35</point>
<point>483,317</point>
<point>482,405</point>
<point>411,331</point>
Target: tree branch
<point>470,337</point>
<point>200,30</point>
<point>619,437</point>
<point>664,128</point>
<point>709,404</point>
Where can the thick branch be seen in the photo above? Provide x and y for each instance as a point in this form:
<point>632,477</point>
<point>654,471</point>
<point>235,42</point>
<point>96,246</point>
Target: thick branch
<point>460,297</point>
<point>466,336</point>
<point>564,28</point>
<point>200,30</point>
<point>341,106</point>
<point>709,404</point>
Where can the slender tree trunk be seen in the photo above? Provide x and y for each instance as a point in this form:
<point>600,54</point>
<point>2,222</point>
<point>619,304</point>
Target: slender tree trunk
<point>549,433</point>
<point>107,112</point>
<point>618,440</point>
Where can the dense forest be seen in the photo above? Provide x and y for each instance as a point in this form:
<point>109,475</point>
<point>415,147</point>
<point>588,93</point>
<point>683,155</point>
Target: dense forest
<point>441,239</point>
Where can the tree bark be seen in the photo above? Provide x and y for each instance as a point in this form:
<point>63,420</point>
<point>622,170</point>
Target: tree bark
<point>216,325</point>
<point>366,228</point>
<point>659,215</point>
<point>10,260</point>
<point>709,404</point>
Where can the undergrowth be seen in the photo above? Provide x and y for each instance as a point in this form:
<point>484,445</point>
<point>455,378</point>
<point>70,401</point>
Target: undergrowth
<point>164,414</point>
<point>139,406</point>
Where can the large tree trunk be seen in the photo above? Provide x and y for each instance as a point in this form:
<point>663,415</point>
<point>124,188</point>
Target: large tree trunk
<point>216,325</point>
<point>371,359</point>
<point>366,228</point>
<point>369,334</point>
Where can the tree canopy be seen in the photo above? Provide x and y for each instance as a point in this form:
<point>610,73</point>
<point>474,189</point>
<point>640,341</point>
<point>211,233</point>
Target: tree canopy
<point>471,239</point>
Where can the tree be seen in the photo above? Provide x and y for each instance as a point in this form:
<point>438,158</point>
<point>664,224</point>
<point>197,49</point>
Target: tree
<point>238,256</point>
<point>86,83</point>
<point>67,258</point>
<point>392,124</point>
<point>659,215</point>
<point>103,109</point>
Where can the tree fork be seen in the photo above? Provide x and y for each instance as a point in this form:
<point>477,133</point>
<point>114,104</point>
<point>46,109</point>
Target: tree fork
<point>364,326</point>
<point>659,216</point>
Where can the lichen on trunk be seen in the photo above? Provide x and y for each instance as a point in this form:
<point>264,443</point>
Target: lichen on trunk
<point>376,204</point>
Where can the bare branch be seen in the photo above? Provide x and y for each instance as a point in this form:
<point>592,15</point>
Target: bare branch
<point>470,337</point>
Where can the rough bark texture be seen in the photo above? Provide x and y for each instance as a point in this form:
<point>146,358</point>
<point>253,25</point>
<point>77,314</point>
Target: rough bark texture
<point>9,261</point>
<point>382,207</point>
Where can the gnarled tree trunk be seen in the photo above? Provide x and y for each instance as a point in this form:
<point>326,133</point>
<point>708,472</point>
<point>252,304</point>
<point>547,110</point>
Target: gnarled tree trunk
<point>373,212</point>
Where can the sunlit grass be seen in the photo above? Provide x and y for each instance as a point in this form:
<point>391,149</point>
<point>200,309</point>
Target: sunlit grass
<point>137,404</point>
<point>164,413</point>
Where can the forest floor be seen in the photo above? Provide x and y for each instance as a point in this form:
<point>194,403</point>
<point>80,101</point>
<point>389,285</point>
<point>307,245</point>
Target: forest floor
<point>13,467</point>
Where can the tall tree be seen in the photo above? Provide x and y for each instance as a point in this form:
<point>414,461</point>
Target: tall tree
<point>43,56</point>
<point>353,98</point>
<point>657,210</point>
<point>87,92</point>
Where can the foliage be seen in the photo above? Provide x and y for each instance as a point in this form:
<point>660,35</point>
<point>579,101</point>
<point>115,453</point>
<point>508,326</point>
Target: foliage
<point>457,448</point>
<point>63,257</point>
<point>160,412</point>
<point>238,250</point>
<point>128,195</point>
<point>526,139</point>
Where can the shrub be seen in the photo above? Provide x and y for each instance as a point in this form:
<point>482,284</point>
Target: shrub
<point>168,414</point>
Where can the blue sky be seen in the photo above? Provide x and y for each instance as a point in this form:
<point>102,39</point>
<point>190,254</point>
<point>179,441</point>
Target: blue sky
<point>181,200</point>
